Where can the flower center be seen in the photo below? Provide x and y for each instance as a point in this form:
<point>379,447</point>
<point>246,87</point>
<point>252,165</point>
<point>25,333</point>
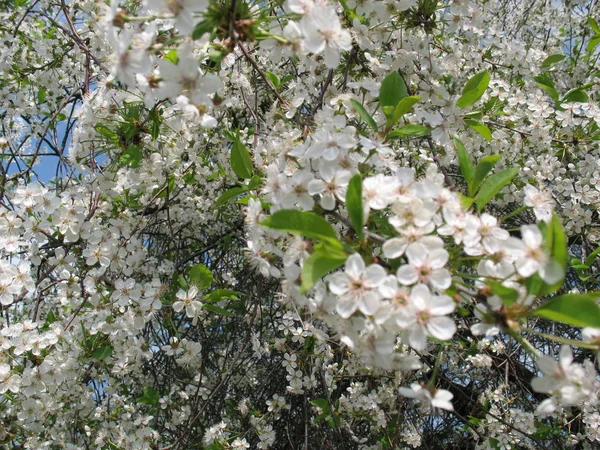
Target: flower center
<point>423,317</point>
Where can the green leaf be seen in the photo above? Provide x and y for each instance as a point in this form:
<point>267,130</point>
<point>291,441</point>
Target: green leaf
<point>190,177</point>
<point>172,56</point>
<point>576,95</point>
<point>166,190</point>
<point>580,310</point>
<point>217,310</point>
<point>155,127</point>
<point>202,28</point>
<point>150,396</point>
<point>305,223</point>
<point>474,89</point>
<point>364,115</point>
<point>556,243</point>
<point>320,263</point>
<point>552,59</point>
<point>245,200</point>
<point>592,44</point>
<point>545,80</point>
<point>222,294</point>
<point>388,111</point>
<point>410,130</point>
<point>131,157</point>
<point>216,56</point>
<point>107,133</point>
<point>240,160</point>
<point>534,284</point>
<point>591,259</point>
<point>506,294</point>
<point>274,79</point>
<point>182,282</point>
<point>355,206</point>
<point>492,185</point>
<point>102,353</point>
<point>51,317</point>
<point>465,201</point>
<point>592,23</point>
<point>480,129</point>
<point>228,195</point>
<point>321,403</point>
<point>464,162</point>
<point>41,95</point>
<point>393,89</point>
<point>201,276</point>
<point>476,115</point>
<point>558,249</point>
<point>484,166</point>
<point>254,183</point>
<point>403,107</point>
<point>547,85</point>
<point>215,446</point>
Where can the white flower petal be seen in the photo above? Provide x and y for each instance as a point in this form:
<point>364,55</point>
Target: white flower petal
<point>441,328</point>
<point>374,275</point>
<point>355,266</point>
<point>346,307</point>
<point>394,247</point>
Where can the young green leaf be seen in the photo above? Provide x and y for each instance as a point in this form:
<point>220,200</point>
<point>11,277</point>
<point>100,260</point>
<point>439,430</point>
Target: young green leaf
<point>150,396</point>
<point>222,294</point>
<point>321,403</point>
<point>393,89</point>
<point>305,223</point>
<point>544,82</point>
<point>556,244</point>
<point>107,133</point>
<point>364,115</point>
<point>274,79</point>
<point>201,28</point>
<point>172,56</point>
<point>131,157</point>
<point>102,353</point>
<point>580,310</point>
<point>319,264</point>
<point>464,162</point>
<point>240,160</point>
<point>592,44</point>
<point>217,310</point>
<point>591,258</point>
<point>480,129</point>
<point>201,276</point>
<point>592,23</point>
<point>228,195</point>
<point>552,59</point>
<point>465,201</point>
<point>492,185</point>
<point>559,251</point>
<point>403,107</point>
<point>410,130</point>
<point>484,166</point>
<point>474,89</point>
<point>506,294</point>
<point>576,95</point>
<point>354,204</point>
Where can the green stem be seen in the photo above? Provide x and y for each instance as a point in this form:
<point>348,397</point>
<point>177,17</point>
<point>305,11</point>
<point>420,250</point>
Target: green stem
<point>436,366</point>
<point>565,341</point>
<point>514,213</point>
<point>524,342</point>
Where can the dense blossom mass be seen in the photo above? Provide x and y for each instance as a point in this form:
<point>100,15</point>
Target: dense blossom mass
<point>294,224</point>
